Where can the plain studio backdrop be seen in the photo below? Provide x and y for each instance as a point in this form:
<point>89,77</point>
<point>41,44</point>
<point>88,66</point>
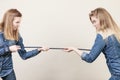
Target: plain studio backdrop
<point>59,23</point>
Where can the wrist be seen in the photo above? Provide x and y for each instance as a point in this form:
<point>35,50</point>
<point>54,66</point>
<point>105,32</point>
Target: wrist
<point>39,50</point>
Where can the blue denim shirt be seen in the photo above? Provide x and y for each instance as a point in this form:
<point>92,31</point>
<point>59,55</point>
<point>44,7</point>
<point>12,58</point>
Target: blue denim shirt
<point>110,48</point>
<point>6,64</point>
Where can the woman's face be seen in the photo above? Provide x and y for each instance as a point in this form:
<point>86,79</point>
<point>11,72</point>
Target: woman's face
<point>96,22</point>
<point>16,22</point>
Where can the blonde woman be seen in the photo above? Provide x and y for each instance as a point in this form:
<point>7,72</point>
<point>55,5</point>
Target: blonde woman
<point>11,41</point>
<point>107,41</point>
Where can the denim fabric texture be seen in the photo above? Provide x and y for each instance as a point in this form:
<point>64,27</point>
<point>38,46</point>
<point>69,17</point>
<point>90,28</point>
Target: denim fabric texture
<point>6,64</point>
<point>114,77</point>
<point>10,76</point>
<point>110,47</point>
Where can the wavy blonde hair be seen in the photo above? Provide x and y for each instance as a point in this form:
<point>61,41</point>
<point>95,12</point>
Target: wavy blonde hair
<point>7,24</point>
<point>106,21</point>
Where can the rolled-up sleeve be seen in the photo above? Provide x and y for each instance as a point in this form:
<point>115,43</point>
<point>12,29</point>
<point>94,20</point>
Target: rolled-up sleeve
<point>95,51</point>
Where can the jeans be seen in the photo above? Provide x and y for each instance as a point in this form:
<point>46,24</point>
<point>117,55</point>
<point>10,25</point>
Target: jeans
<point>10,76</point>
<point>114,77</point>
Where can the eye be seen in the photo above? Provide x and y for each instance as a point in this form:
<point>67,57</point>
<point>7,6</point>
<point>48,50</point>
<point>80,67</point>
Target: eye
<point>93,21</point>
<point>17,22</point>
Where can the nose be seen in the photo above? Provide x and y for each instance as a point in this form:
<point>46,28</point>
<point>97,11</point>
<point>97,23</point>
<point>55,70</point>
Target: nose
<point>18,24</point>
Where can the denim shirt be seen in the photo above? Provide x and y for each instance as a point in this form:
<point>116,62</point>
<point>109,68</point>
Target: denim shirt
<point>6,64</point>
<point>110,48</point>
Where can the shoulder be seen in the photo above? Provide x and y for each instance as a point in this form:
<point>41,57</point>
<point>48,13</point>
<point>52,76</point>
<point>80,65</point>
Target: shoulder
<point>1,30</point>
<point>20,37</point>
<point>99,39</point>
<point>1,36</point>
<point>1,33</point>
<point>99,35</point>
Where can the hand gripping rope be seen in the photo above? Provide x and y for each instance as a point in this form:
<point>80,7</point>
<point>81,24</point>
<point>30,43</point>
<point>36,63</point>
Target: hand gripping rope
<point>54,48</point>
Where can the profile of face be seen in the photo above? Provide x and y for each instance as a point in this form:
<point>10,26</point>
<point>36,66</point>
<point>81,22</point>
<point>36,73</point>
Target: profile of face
<point>96,22</point>
<point>16,22</point>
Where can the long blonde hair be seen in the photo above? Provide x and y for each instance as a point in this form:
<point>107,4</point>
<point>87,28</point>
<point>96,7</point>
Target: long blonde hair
<point>106,21</point>
<point>7,24</point>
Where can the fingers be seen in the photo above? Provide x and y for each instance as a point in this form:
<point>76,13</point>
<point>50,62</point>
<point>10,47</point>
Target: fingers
<point>14,48</point>
<point>18,47</point>
<point>44,49</point>
<point>68,49</point>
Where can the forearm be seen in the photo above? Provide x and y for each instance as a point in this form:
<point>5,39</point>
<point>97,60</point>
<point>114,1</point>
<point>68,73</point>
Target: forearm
<point>25,55</point>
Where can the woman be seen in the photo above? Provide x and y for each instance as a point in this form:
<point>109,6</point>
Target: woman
<point>11,41</point>
<point>107,41</point>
